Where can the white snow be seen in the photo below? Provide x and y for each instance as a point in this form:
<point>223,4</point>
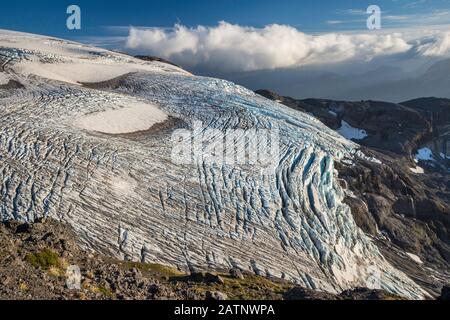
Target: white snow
<point>360,154</point>
<point>71,62</point>
<point>425,154</point>
<point>78,70</point>
<point>74,72</point>
<point>418,170</point>
<point>349,132</point>
<point>138,117</point>
<point>414,257</point>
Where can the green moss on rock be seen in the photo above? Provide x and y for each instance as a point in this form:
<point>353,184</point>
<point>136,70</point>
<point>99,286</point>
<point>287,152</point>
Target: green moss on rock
<point>44,259</point>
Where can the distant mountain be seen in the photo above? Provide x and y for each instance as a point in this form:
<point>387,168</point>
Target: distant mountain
<point>384,83</point>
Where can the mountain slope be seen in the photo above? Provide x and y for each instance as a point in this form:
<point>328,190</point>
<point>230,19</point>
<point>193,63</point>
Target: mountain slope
<point>402,200</point>
<point>87,137</point>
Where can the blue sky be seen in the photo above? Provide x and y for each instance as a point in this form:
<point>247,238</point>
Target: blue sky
<point>48,17</point>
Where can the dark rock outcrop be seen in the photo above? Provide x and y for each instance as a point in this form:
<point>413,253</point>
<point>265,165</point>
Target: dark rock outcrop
<point>391,127</point>
<point>445,293</point>
<point>298,293</point>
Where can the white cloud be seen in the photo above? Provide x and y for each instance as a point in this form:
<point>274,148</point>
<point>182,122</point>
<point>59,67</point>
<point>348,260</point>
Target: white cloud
<point>353,12</point>
<point>435,45</point>
<point>335,21</point>
<point>228,47</point>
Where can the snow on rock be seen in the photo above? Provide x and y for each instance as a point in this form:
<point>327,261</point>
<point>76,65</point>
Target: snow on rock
<point>414,257</point>
<point>359,154</point>
<point>417,170</point>
<point>349,132</point>
<point>138,117</point>
<point>124,195</point>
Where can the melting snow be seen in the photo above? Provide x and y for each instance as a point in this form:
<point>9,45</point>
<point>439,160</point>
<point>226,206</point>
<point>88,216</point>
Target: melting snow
<point>349,132</point>
<point>139,117</point>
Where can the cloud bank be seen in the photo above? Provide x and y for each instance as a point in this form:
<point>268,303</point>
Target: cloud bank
<point>435,45</point>
<point>231,48</point>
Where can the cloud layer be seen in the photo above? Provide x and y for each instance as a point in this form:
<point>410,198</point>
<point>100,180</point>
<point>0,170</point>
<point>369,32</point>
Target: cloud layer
<point>230,48</point>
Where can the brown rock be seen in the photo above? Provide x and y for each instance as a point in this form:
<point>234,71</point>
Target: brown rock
<point>236,273</point>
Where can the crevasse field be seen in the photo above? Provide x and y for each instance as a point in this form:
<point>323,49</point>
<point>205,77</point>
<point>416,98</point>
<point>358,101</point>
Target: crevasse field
<point>85,137</point>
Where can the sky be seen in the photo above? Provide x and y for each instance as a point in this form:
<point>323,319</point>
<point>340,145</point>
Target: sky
<point>236,39</point>
<point>49,17</point>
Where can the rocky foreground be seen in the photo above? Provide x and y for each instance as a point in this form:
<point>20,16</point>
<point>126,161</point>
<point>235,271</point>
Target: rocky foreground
<point>34,259</point>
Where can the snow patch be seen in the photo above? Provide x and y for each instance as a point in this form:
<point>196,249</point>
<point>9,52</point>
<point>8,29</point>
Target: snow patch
<point>418,170</point>
<point>74,72</point>
<point>414,257</point>
<point>361,155</point>
<point>139,117</point>
<point>349,132</point>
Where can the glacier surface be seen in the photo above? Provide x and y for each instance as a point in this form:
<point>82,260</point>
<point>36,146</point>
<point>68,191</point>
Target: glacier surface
<point>125,197</point>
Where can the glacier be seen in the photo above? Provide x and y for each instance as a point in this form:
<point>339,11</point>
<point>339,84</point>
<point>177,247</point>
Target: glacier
<point>125,197</point>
